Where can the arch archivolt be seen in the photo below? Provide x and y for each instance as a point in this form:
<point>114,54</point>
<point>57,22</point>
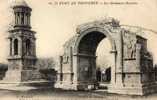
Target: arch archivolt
<point>96,29</point>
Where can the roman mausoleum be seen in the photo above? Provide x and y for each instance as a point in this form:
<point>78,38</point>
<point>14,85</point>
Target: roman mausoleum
<point>22,49</point>
<point>132,71</point>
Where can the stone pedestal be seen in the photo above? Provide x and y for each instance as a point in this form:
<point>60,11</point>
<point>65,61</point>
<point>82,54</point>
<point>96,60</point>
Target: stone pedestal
<point>18,76</point>
<point>139,89</point>
<point>12,76</point>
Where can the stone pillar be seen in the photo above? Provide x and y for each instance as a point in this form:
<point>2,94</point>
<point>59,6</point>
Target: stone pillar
<point>75,69</point>
<point>29,19</point>
<point>113,67</point>
<point>15,18</point>
<point>119,68</point>
<point>13,46</point>
<point>33,48</point>
<point>20,19</point>
<point>25,19</point>
<point>20,47</point>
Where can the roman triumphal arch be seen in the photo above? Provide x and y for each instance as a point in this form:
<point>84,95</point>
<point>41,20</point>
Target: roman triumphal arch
<point>132,71</point>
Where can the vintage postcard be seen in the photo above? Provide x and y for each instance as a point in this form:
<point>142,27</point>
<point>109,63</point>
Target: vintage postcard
<point>78,50</point>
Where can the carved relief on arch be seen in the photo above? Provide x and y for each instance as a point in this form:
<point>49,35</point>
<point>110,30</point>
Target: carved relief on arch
<point>129,44</point>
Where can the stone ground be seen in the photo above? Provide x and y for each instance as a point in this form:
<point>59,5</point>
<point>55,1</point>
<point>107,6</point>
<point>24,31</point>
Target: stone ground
<point>56,94</point>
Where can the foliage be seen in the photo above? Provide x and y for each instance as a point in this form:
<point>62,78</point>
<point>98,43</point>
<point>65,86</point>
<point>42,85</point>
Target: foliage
<point>46,67</point>
<point>3,67</point>
<point>46,63</point>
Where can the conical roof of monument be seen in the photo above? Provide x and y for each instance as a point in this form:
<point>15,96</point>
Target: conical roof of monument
<point>20,3</point>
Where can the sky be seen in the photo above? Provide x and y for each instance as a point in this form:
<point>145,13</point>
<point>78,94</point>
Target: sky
<point>55,24</point>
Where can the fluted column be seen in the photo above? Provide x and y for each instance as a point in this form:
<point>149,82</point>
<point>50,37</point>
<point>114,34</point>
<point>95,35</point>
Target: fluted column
<point>25,19</point>
<point>28,19</point>
<point>20,18</point>
<point>15,18</point>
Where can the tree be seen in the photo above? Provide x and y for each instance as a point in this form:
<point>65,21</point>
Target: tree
<point>46,67</point>
<point>46,63</point>
<point>3,67</point>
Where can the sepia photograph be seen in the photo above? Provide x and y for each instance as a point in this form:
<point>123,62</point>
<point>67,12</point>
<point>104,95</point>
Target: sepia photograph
<point>78,50</point>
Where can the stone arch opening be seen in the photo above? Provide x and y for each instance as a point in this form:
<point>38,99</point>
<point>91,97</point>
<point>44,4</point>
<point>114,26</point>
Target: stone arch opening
<point>89,43</point>
<point>104,61</point>
<point>16,47</point>
<point>87,48</point>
